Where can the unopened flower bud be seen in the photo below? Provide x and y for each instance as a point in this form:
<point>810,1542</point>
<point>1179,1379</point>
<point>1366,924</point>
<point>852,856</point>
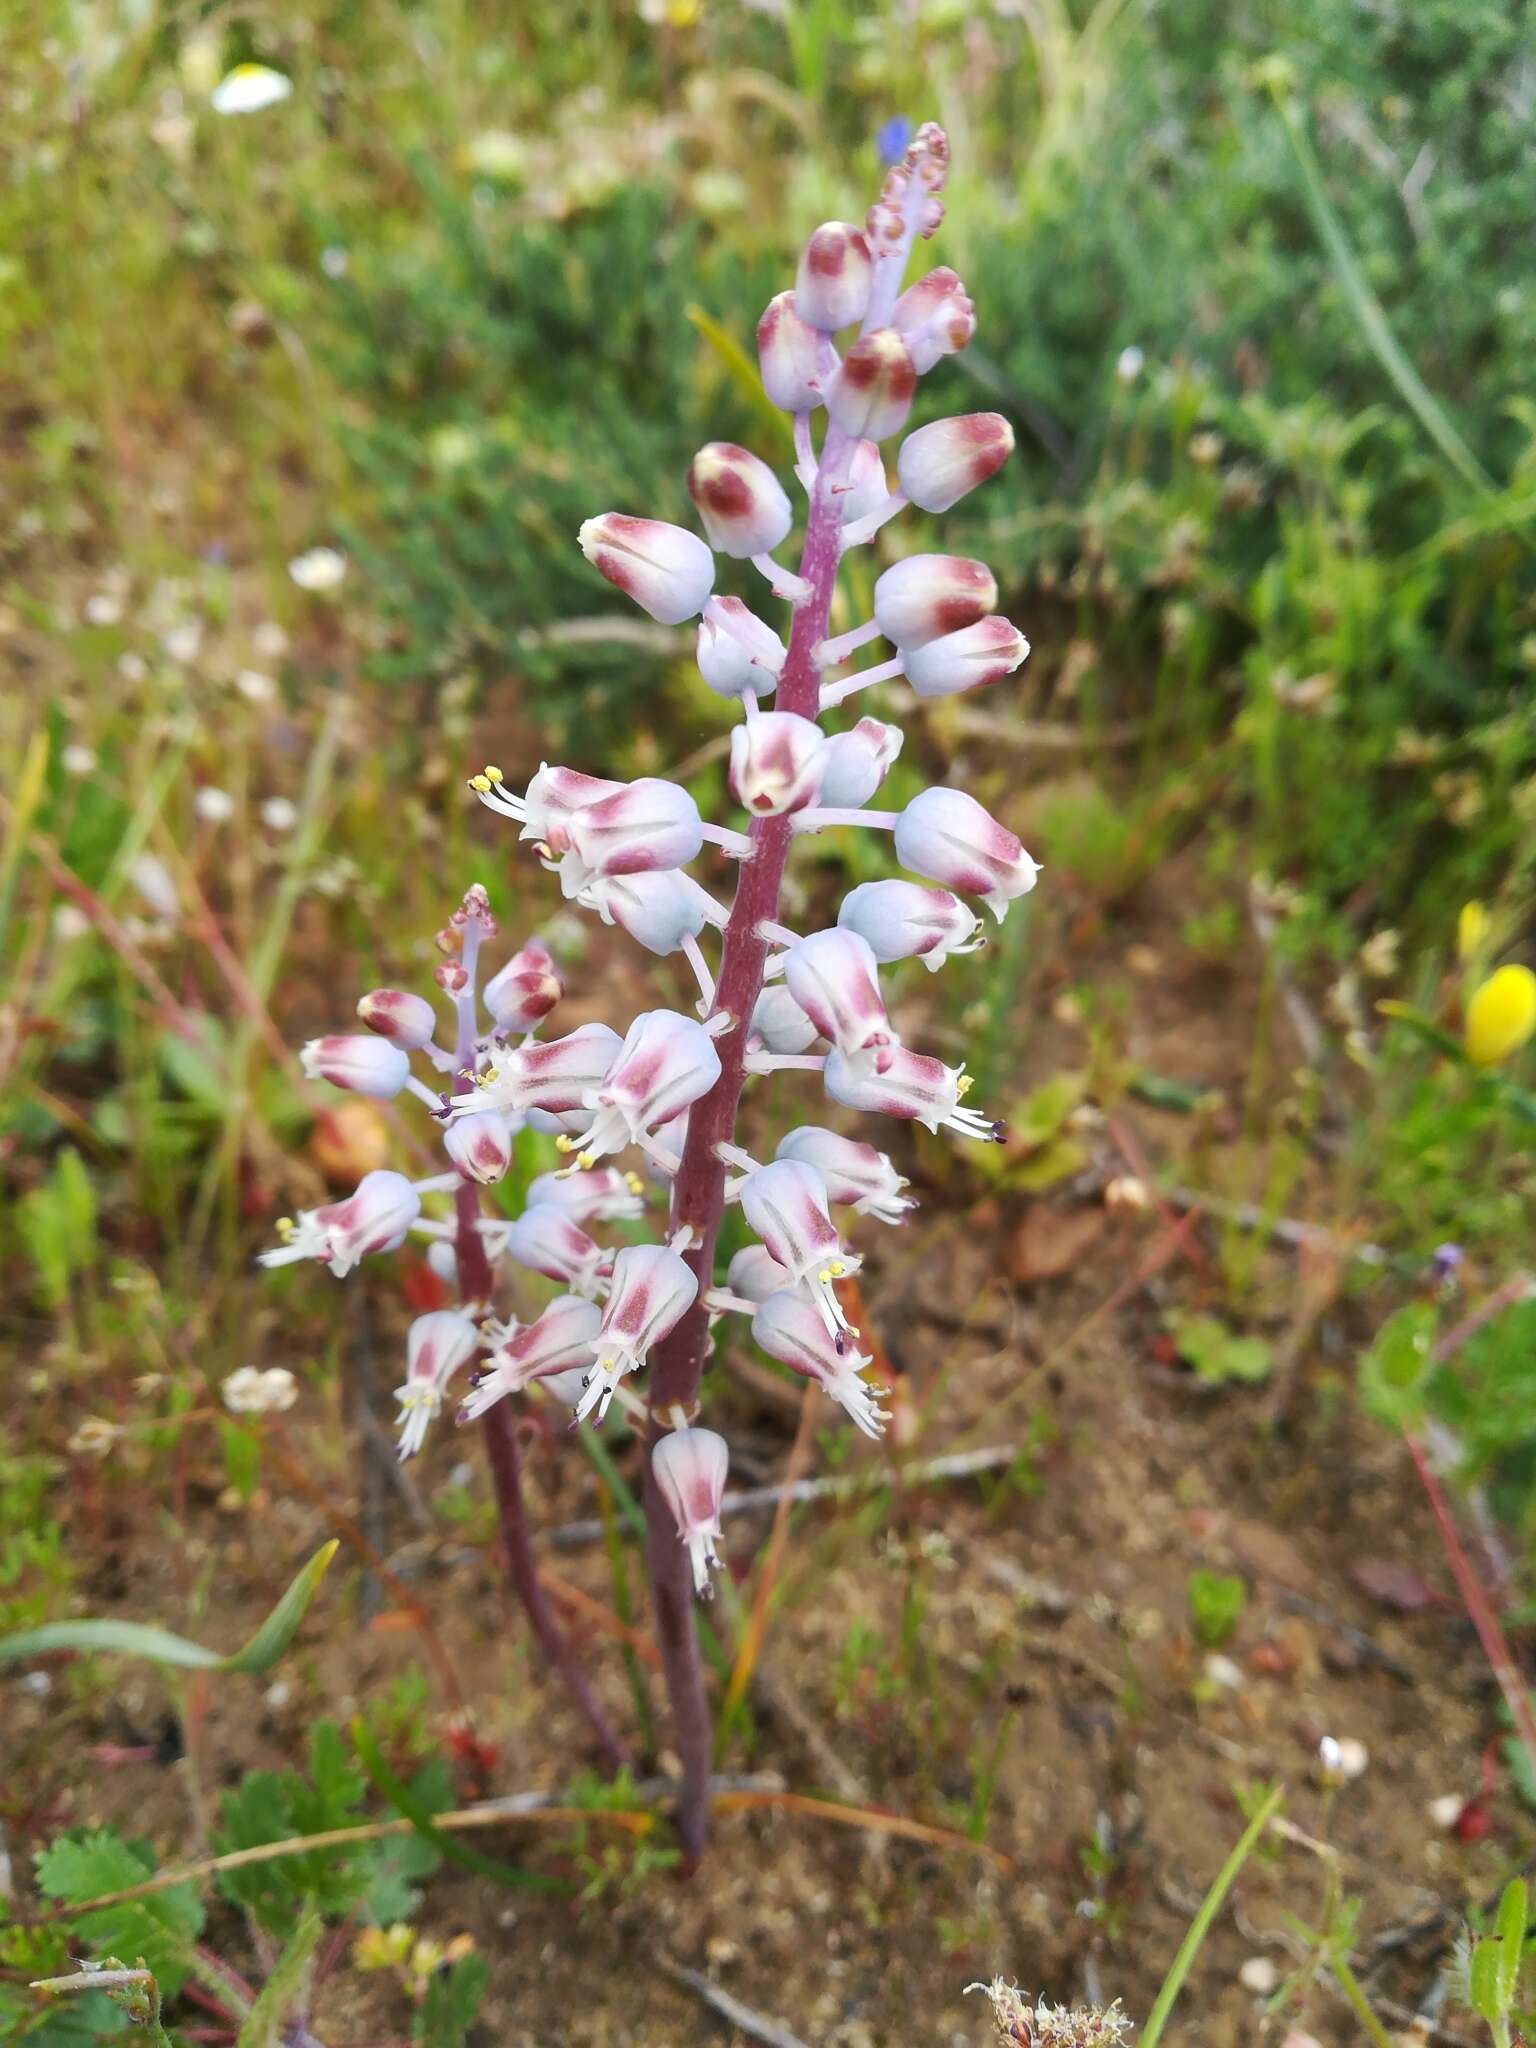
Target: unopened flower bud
<point>947,836</point>
<point>904,921</point>
<point>776,762</point>
<point>436,1346</point>
<point>740,500</point>
<point>778,1022</point>
<point>658,911</point>
<point>855,763</point>
<point>870,392</point>
<point>928,596</point>
<point>690,1467</point>
<point>754,1273</point>
<point>934,317</point>
<point>521,995</point>
<point>939,463</point>
<point>968,660</point>
<point>789,356</point>
<point>865,487</point>
<point>789,1329</point>
<point>833,280</point>
<point>480,1146</point>
<point>368,1066</point>
<point>834,978</point>
<point>736,651</point>
<point>785,1204</point>
<point>855,1173</point>
<point>667,570</point>
<point>645,825</point>
<point>546,1240</point>
<point>653,1289</point>
<point>396,1014</point>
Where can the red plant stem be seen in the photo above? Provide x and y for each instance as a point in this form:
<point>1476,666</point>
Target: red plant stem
<point>1480,1612</point>
<point>698,1191</point>
<point>476,1284</point>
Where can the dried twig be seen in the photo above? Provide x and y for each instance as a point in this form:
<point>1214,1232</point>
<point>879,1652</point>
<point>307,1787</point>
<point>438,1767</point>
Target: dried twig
<point>755,2025</point>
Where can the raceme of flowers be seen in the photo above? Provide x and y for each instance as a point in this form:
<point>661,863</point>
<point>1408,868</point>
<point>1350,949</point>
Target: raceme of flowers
<point>617,1103</point>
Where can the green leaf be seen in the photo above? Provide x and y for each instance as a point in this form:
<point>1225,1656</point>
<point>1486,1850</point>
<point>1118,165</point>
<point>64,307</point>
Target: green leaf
<point>1216,1603</point>
<point>57,1222</point>
<point>138,1639</point>
<point>1423,1027</point>
<point>1216,1353</point>
<point>1395,1369</point>
<point>453,1999</point>
<point>1513,1917</point>
<point>1484,1979</point>
<point>287,1987</point>
<point>742,372</point>
<point>447,1846</point>
<point>161,1928</point>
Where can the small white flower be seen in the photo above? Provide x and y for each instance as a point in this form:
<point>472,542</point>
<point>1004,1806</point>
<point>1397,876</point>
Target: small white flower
<point>152,878</point>
<point>78,760</point>
<point>319,570</point>
<point>269,642</point>
<point>1259,1976</point>
<point>183,641</point>
<point>250,1391</point>
<point>278,814</point>
<point>69,922</point>
<point>1447,1810</point>
<point>1222,1671</point>
<point>333,261</point>
<point>103,608</point>
<point>249,89</point>
<point>255,687</point>
<point>214,806</point>
<point>133,668</point>
<point>1129,364</point>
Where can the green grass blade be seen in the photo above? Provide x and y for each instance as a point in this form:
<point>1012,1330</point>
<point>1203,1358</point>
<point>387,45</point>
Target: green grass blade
<point>287,1986</point>
<point>742,371</point>
<point>1200,1926</point>
<point>1367,309</point>
<point>160,1646</point>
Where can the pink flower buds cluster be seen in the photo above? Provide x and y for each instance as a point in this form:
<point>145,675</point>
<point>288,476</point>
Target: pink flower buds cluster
<point>848,343</point>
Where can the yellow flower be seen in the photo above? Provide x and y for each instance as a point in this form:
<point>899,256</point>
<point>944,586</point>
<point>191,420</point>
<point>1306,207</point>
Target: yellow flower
<point>1501,1015</point>
<point>1471,930</point>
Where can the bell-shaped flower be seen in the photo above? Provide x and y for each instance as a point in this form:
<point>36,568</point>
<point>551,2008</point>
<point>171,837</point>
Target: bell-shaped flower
<point>934,317</point>
<point>737,653</point>
<point>779,1024</point>
<point>666,1062</point>
<point>854,1172</point>
<point>914,1086</point>
<point>947,836</point>
<point>865,487</point>
<point>904,921</point>
<point>521,995</point>
<point>396,1014</point>
<point>555,1076</point>
<point>667,570</point>
<point>436,1345</point>
<point>653,1289</point>
<point>558,1341</point>
<point>754,1273</point>
<point>785,1203</point>
<point>776,762</point>
<point>741,502</point>
<point>605,1195</point>
<point>480,1145</point>
<point>833,280</point>
<point>976,655</point>
<point>789,1329</point>
<point>690,1467</point>
<point>646,825</point>
<point>658,911</point>
<point>870,392</point>
<point>368,1066</point>
<point>551,797</point>
<point>855,763</point>
<point>374,1218</point>
<point>926,596</point>
<point>547,1240</point>
<point>789,357</point>
<point>939,463</point>
<point>835,979</point>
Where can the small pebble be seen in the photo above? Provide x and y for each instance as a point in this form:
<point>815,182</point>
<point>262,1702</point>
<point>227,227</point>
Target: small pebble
<point>1259,1976</point>
<point>1223,1672</point>
<point>1447,1810</point>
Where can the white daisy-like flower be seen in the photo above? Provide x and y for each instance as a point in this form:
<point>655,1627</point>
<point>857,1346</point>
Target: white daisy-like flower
<point>249,89</point>
<point>251,1391</point>
<point>319,570</point>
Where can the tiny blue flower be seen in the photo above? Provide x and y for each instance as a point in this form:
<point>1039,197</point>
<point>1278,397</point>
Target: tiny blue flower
<point>892,138</point>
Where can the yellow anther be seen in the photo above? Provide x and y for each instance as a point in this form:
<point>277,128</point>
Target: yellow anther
<point>481,784</point>
<point>824,1275</point>
<point>837,1269</point>
<point>634,1183</point>
<point>565,1144</point>
<point>586,1159</point>
<point>493,773</point>
<point>962,1087</point>
<point>285,1227</point>
<point>490,1077</point>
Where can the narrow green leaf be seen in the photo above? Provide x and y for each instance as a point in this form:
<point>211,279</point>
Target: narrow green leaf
<point>449,1847</point>
<point>1425,1027</point>
<point>287,1986</point>
<point>742,371</point>
<point>1484,1979</point>
<point>160,1646</point>
<point>1200,1926</point>
<point>1514,1910</point>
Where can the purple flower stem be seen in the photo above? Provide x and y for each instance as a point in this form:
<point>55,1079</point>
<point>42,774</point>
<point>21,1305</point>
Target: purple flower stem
<point>698,1191</point>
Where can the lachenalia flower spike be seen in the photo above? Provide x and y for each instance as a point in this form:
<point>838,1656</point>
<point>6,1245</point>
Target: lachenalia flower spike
<point>516,1102</point>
